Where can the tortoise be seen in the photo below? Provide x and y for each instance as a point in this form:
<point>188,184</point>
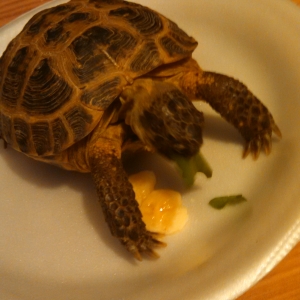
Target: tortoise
<point>87,79</point>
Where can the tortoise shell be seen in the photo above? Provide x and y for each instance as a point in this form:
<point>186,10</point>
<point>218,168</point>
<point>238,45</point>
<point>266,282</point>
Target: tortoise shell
<point>70,63</point>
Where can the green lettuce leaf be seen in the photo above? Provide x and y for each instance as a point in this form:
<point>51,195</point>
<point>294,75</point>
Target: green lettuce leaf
<point>220,202</point>
<point>189,167</point>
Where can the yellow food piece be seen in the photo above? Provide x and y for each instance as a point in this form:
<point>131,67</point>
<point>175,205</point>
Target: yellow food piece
<point>163,212</point>
<point>162,209</point>
<point>143,184</point>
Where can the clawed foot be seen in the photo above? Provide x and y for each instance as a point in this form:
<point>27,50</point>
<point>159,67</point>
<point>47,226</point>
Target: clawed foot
<point>144,244</point>
<point>261,142</point>
<point>241,108</point>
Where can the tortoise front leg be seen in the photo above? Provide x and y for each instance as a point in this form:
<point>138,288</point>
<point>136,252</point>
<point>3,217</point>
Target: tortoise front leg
<point>242,109</point>
<point>116,194</point>
<point>237,105</point>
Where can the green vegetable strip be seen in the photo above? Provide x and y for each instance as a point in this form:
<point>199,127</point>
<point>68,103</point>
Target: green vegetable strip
<point>220,202</point>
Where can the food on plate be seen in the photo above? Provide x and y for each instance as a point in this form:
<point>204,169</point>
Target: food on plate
<point>190,166</point>
<point>162,209</point>
<point>143,184</point>
<point>221,202</point>
<point>89,78</point>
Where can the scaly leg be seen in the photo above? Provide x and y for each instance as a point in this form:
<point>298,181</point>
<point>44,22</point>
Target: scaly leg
<point>237,105</point>
<point>116,194</point>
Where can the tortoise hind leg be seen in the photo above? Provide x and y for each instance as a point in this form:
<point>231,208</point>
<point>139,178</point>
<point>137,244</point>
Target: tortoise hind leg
<point>116,194</point>
<point>237,105</point>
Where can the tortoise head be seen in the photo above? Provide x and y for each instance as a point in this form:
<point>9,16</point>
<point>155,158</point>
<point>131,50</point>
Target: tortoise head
<point>163,117</point>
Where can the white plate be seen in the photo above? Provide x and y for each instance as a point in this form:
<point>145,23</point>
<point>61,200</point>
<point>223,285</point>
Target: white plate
<point>53,240</point>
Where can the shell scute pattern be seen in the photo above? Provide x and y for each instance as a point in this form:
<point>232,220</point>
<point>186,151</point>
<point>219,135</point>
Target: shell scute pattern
<point>22,134</point>
<point>172,47</point>
<point>60,135</point>
<point>148,59</point>
<point>36,26</point>
<point>177,42</point>
<point>62,32</point>
<point>41,21</point>
<point>6,128</point>
<point>181,37</point>
<point>90,67</point>
<point>97,39</point>
<point>41,137</point>
<point>13,82</point>
<point>102,94</point>
<point>78,118</point>
<point>71,62</point>
<point>146,21</point>
<point>81,17</point>
<point>45,92</point>
<point>103,3</point>
<point>90,63</point>
<point>121,44</point>
<point>56,35</point>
